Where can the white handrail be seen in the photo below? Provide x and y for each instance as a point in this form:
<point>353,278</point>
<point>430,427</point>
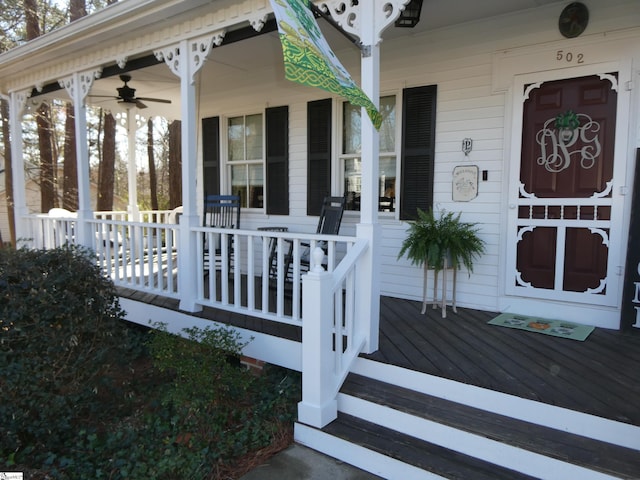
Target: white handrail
<point>332,336</point>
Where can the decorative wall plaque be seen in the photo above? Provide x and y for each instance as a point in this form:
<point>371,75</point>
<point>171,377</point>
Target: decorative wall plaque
<point>467,146</point>
<point>465,183</point>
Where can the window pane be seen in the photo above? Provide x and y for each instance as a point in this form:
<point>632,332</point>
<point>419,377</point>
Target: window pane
<point>351,142</point>
<point>239,182</point>
<point>351,129</point>
<point>386,184</point>
<point>236,138</point>
<point>256,186</point>
<point>388,127</point>
<point>253,134</point>
<point>387,188</point>
<point>352,183</point>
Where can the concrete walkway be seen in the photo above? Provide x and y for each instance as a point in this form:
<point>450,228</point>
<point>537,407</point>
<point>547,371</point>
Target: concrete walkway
<point>302,463</point>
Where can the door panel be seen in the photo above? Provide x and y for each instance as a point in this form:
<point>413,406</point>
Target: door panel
<point>537,257</point>
<point>585,261</point>
<point>582,164</point>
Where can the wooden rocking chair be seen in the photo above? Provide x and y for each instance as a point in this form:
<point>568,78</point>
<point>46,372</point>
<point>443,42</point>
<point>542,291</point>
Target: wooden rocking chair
<point>221,211</point>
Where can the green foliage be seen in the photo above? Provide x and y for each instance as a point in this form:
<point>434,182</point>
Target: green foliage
<point>204,365</point>
<point>57,320</point>
<point>430,239</point>
<point>51,14</point>
<point>221,406</point>
<point>80,397</point>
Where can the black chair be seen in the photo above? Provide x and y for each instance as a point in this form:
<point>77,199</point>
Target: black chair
<point>331,215</point>
<point>328,224</point>
<point>220,211</point>
<point>386,204</point>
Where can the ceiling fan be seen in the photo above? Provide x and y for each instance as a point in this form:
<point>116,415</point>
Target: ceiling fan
<point>126,94</point>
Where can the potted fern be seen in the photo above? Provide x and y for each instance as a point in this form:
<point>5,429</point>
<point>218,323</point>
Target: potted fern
<point>440,243</point>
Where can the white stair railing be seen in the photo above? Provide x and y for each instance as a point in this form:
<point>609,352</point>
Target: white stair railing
<point>332,334</point>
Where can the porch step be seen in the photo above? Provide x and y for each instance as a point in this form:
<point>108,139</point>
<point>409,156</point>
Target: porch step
<point>431,458</point>
<point>505,442</point>
<point>444,439</point>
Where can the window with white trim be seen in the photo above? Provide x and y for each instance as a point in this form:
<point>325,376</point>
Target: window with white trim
<point>350,155</point>
<point>245,147</point>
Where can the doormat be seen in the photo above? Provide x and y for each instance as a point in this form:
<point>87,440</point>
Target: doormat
<point>556,328</point>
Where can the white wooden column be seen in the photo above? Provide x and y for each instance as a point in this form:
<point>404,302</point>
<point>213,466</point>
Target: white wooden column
<point>132,124</point>
<point>78,86</point>
<point>368,295</point>
<point>17,102</point>
<point>185,60</point>
<point>367,20</point>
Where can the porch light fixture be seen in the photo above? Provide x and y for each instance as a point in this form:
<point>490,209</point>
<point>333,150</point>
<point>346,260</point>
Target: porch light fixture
<point>410,16</point>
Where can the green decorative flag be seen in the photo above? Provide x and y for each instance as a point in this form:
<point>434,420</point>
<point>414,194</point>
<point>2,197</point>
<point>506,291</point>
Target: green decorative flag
<point>308,59</point>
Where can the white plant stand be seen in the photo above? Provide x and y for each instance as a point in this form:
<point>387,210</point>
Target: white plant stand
<point>443,301</point>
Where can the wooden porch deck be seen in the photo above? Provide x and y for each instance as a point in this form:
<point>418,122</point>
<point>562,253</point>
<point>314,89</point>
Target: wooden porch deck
<point>600,376</point>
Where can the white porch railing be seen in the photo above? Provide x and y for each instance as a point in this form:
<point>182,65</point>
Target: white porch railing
<point>142,256</point>
<point>145,216</point>
<point>44,231</point>
<point>333,335</point>
<point>268,264</point>
<point>119,215</point>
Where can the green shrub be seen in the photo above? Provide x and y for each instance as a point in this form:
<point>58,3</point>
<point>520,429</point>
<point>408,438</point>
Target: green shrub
<point>204,364</point>
<point>60,331</point>
<point>222,410</point>
<point>80,398</point>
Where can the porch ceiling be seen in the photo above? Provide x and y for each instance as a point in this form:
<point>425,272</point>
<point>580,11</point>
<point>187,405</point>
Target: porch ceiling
<point>223,67</point>
<point>242,58</point>
<point>225,62</point>
<point>443,13</point>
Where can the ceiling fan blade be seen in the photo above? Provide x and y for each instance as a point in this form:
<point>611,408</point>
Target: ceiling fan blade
<point>159,100</point>
<point>139,104</point>
<point>103,96</point>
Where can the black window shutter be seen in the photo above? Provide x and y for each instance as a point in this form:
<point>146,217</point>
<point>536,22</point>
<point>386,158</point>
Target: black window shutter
<point>318,154</point>
<point>418,150</point>
<point>211,155</point>
<point>277,145</point>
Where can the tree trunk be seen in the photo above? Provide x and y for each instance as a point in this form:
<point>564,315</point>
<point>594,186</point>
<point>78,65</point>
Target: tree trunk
<point>106,168</point>
<point>47,162</point>
<point>8,171</point>
<point>77,9</point>
<point>153,180</point>
<point>70,170</point>
<point>47,159</point>
<point>175,164</point>
<point>31,19</point>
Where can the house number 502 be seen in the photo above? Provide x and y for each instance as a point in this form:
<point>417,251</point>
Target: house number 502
<point>569,57</point>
